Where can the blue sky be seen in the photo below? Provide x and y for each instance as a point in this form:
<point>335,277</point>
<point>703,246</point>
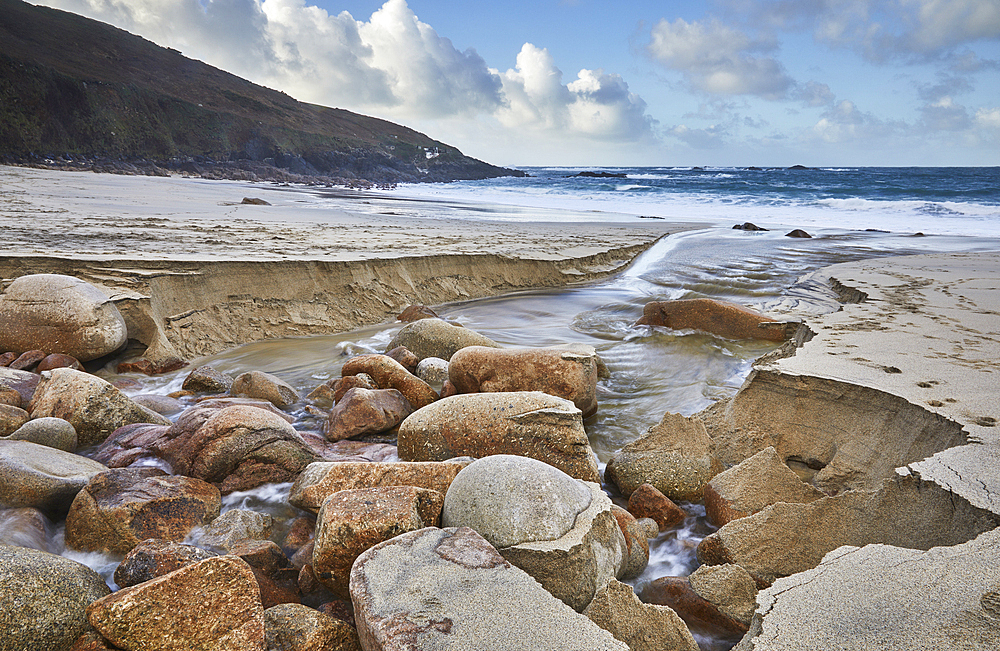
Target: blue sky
<point>582,82</point>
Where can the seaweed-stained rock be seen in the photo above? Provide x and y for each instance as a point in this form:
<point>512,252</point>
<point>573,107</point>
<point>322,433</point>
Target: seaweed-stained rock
<point>525,423</point>
<point>720,318</point>
<point>729,587</point>
<point>130,443</point>
<point>752,485</point>
<point>643,627</point>
<point>390,374</point>
<point>701,615</point>
<point>565,373</point>
<point>93,406</point>
<point>206,379</point>
<point>155,557</point>
<point>294,627</point>
<point>236,448</point>
<point>675,456</point>
<point>58,360</point>
<point>885,597</point>
<point>27,360</point>
<point>120,508</point>
<point>50,432</point>
<point>647,502</point>
<point>264,386</point>
<point>43,477</point>
<point>437,338</point>
<point>43,598</point>
<point>786,538</point>
<point>364,411</point>
<point>59,314</point>
<point>323,478</point>
<point>351,521</point>
<point>213,604</point>
<point>449,588</point>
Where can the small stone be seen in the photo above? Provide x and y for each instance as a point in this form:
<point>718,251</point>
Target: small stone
<point>206,379</point>
<point>647,502</point>
<point>264,386</point>
<point>52,432</point>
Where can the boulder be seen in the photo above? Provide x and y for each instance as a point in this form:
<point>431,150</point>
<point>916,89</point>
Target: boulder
<point>530,424</point>
<point>155,557</point>
<point>729,587</point>
<point>234,527</point>
<point>93,406</point>
<point>11,418</point>
<point>636,556</point>
<point>330,392</point>
<point>25,526</point>
<point>752,485</point>
<point>294,627</point>
<point>701,615</point>
<point>647,502</point>
<point>882,597</point>
<point>59,314</point>
<point>321,479</point>
<point>352,521</point>
<point>58,360</point>
<point>42,477</point>
<point>798,232</point>
<point>163,405</point>
<point>417,312</point>
<point>449,588</point>
<point>120,508</point>
<point>128,444</point>
<point>719,318</point>
<point>433,371</point>
<point>213,604</point>
<point>390,374</point>
<point>10,397</point>
<point>437,338</point>
<point>206,379</point>
<point>643,627</point>
<point>43,598</point>
<point>365,411</point>
<point>787,538</point>
<point>264,386</point>
<point>23,382</point>
<point>50,432</point>
<point>236,448</point>
<point>406,359</point>
<point>27,360</point>
<point>7,357</point>
<point>675,457</point>
<point>277,579</point>
<point>558,372</point>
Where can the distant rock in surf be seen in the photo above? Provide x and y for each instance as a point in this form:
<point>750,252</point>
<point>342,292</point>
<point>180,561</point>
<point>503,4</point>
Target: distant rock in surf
<point>601,175</point>
<point>748,226</point>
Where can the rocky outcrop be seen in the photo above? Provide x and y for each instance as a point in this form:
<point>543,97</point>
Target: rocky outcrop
<point>436,587</point>
<point>720,318</point>
<point>59,314</point>
<point>530,424</point>
<point>437,338</point>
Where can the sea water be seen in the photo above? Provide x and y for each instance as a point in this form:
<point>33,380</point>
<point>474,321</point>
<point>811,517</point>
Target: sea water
<point>852,214</point>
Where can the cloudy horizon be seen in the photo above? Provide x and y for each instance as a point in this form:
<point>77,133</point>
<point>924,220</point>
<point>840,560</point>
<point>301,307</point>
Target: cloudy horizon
<point>573,82</point>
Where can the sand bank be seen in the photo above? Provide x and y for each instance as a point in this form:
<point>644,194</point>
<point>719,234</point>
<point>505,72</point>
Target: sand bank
<point>196,271</point>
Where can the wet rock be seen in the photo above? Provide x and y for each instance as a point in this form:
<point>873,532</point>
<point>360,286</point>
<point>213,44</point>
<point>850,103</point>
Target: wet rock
<point>234,527</point>
<point>27,360</point>
<point>58,360</point>
<point>799,233</point>
<point>300,532</point>
<point>11,418</point>
<point>729,587</point>
<point>43,598</point>
<point>647,502</point>
<point>321,479</point>
<point>294,627</point>
<point>264,386</point>
<point>881,596</point>
<point>94,407</point>
<point>433,371</point>
<point>643,627</point>
<point>352,521</point>
<point>163,405</point>
<point>675,457</point>
<point>405,358</point>
<point>785,538</point>
<point>42,477</point>
<point>276,578</point>
<point>59,314</point>
<point>437,338</point>
<point>752,485</point>
<point>206,379</point>
<point>700,614</point>
<point>649,527</point>
<point>151,367</point>
<point>254,201</point>
<point>748,226</point>
<point>23,382</point>
<point>417,312</point>
<point>236,448</point>
<point>636,555</point>
<point>530,424</point>
<point>24,527</point>
<point>365,411</point>
<point>51,432</point>
<point>390,374</point>
<point>128,444</point>
<point>213,604</point>
<point>718,318</point>
<point>558,372</point>
<point>331,392</point>
<point>120,508</point>
<point>155,557</point>
<point>479,600</point>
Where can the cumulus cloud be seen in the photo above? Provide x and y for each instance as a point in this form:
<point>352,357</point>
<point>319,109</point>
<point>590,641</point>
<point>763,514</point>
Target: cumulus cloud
<point>720,60</point>
<point>845,123</point>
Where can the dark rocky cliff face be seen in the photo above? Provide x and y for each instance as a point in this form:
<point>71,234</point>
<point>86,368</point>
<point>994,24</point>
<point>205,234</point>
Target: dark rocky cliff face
<point>79,93</point>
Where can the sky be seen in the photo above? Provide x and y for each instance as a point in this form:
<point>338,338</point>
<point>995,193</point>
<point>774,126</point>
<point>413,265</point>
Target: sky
<point>630,82</point>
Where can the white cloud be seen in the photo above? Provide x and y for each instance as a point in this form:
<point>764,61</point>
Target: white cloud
<point>989,119</point>
<point>945,115</point>
<point>813,94</point>
<point>712,137</point>
<point>719,60</point>
<point>845,123</point>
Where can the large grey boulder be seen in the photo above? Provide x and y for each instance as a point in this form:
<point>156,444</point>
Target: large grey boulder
<point>449,588</point>
<point>42,477</point>
<point>59,314</point>
<point>92,406</point>
<point>43,598</point>
<point>525,423</point>
<point>437,338</point>
<point>886,597</point>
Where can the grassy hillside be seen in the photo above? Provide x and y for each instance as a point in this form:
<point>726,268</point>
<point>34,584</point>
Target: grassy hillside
<point>73,88</point>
